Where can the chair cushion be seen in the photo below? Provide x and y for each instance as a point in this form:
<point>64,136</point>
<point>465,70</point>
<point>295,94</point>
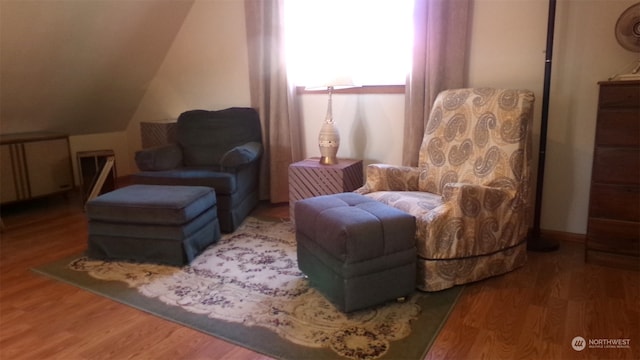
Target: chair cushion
<point>476,136</point>
<point>416,203</point>
<point>241,154</point>
<point>152,204</point>
<point>205,136</point>
<point>159,158</point>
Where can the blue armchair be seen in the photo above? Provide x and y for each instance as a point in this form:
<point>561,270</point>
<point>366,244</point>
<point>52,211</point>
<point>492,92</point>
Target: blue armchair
<point>220,149</point>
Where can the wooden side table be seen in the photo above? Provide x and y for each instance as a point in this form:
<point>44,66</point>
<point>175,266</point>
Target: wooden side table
<point>309,178</point>
<point>158,133</point>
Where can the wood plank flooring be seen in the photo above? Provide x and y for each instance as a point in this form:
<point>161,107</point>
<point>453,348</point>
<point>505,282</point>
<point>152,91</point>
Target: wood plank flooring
<point>531,313</point>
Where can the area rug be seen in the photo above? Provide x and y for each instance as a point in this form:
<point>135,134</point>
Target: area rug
<point>247,289</point>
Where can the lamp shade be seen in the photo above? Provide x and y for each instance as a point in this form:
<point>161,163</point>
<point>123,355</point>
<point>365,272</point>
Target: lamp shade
<point>334,82</point>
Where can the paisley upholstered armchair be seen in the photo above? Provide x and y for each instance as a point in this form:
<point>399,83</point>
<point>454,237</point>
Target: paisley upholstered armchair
<point>470,190</point>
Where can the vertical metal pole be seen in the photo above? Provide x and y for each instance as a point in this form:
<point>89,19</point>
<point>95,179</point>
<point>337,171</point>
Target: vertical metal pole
<point>536,243</point>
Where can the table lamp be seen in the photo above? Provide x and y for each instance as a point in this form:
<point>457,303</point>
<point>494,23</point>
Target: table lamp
<point>329,137</point>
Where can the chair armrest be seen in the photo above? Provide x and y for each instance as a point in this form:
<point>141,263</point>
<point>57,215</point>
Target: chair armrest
<point>164,157</point>
<point>382,177</point>
<point>241,155</point>
<point>473,220</point>
<point>473,200</point>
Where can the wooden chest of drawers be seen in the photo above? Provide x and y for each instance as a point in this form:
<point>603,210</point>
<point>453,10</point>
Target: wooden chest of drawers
<point>613,231</point>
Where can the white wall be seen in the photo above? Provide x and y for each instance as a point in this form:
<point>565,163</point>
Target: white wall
<point>207,68</point>
<point>585,55</point>
<point>370,125</point>
<point>508,43</point>
<point>507,50</point>
<point>80,67</point>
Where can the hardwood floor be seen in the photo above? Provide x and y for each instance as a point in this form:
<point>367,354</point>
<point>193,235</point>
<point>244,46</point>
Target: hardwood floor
<point>531,313</point>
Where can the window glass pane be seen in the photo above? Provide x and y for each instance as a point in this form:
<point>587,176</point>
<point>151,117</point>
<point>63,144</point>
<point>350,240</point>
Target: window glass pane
<point>367,40</point>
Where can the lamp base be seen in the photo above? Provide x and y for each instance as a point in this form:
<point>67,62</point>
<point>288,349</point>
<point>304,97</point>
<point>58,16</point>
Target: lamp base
<point>328,143</point>
<point>328,160</point>
<point>541,244</point>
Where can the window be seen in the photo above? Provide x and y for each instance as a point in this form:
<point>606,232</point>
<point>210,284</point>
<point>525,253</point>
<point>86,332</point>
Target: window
<point>368,41</point>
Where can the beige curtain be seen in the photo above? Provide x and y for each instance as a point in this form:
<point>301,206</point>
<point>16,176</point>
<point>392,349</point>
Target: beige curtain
<point>439,63</point>
<point>272,96</point>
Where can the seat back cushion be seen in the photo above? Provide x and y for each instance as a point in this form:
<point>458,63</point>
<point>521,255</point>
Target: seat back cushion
<point>477,136</point>
<point>205,136</point>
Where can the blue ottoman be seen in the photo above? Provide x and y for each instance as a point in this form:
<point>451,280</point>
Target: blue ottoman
<point>356,251</point>
<point>153,223</point>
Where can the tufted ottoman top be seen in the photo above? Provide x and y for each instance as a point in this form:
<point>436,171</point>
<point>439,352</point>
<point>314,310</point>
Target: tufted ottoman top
<point>152,204</point>
<point>353,227</point>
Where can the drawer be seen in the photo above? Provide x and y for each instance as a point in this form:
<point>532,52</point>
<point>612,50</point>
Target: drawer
<point>615,202</point>
<point>614,236</point>
<point>616,165</point>
<point>618,127</point>
<point>619,95</point>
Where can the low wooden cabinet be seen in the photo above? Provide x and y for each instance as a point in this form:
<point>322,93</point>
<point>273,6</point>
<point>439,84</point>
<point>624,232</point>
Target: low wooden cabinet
<point>613,231</point>
<point>34,165</point>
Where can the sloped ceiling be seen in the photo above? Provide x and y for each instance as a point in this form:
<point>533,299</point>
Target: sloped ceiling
<point>81,66</point>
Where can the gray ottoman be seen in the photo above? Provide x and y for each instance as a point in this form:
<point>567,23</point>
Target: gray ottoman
<point>356,251</point>
<point>153,223</point>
